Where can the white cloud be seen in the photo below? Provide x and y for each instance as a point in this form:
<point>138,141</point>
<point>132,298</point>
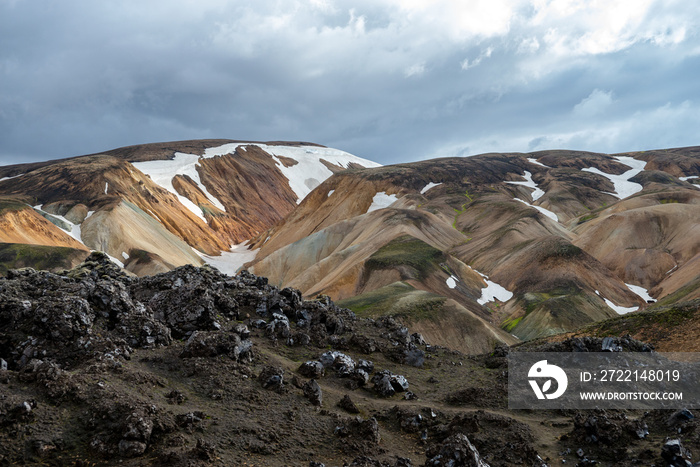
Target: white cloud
<point>575,27</point>
<point>660,127</point>
<point>540,73</point>
<point>596,103</point>
<point>528,46</point>
<point>466,64</point>
<point>414,70</point>
<point>325,6</point>
<point>460,20</point>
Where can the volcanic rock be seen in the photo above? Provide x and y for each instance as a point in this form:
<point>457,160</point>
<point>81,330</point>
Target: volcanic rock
<point>313,392</point>
<point>311,369</point>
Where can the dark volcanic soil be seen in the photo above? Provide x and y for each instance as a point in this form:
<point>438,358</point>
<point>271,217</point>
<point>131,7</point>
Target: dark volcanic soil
<point>193,367</point>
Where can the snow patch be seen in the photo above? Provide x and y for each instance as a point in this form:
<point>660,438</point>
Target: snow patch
<point>623,187</point>
<point>641,291</point>
<point>330,193</point>
<point>685,179</point>
<point>74,228</point>
<point>493,291</point>
<point>620,309</point>
<point>429,186</point>
<point>10,178</point>
<point>530,183</point>
<point>106,187</point>
<point>163,172</point>
<point>230,261</point>
<point>532,160</point>
<point>125,256</point>
<point>381,200</point>
<point>452,282</point>
<point>116,261</point>
<point>308,172</point>
<point>544,211</point>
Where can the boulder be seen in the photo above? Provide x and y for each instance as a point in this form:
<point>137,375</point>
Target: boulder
<point>455,450</point>
<point>242,330</point>
<point>679,417</point>
<point>278,327</point>
<point>272,378</point>
<point>211,344</point>
<point>131,448</point>
<point>360,377</point>
<point>348,405</point>
<point>382,384</point>
<point>341,363</point>
<point>675,454</point>
<point>312,369</point>
<point>313,392</point>
<point>360,429</point>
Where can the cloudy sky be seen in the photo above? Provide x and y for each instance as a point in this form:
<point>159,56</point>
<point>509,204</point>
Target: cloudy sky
<point>389,80</point>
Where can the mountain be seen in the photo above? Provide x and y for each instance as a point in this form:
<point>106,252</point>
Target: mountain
<point>149,206</point>
<point>372,321</point>
<point>537,243</point>
<point>471,252</point>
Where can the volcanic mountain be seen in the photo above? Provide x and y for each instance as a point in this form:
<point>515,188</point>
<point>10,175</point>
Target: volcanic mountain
<point>535,243</point>
<point>470,251</point>
<point>157,206</point>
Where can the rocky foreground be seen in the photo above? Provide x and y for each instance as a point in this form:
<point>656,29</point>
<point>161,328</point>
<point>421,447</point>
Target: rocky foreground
<point>193,367</point>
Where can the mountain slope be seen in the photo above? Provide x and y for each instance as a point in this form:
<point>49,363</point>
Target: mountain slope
<point>161,200</point>
<point>563,236</point>
<point>514,244</point>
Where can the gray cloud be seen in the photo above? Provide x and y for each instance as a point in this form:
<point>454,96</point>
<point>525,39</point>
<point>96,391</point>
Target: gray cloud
<point>388,80</point>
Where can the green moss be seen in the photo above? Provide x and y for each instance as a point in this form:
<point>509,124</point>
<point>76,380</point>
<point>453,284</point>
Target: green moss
<point>560,249</point>
<point>668,201</point>
<point>462,209</point>
<point>11,205</point>
<point>397,299</point>
<point>554,298</point>
<point>666,317</point>
<point>19,255</point>
<point>406,251</point>
<point>568,250</point>
<point>679,294</point>
<point>510,323</point>
<point>586,218</point>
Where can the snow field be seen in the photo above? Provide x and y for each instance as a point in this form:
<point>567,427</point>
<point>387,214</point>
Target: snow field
<point>623,187</point>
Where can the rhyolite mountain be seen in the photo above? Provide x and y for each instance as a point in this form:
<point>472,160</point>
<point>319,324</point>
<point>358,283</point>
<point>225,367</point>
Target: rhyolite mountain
<point>470,251</point>
<point>559,238</point>
<point>149,206</point>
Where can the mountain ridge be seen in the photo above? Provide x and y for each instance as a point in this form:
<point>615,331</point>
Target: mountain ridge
<point>561,235</point>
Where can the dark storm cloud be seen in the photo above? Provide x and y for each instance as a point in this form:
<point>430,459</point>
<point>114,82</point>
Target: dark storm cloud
<point>388,80</point>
